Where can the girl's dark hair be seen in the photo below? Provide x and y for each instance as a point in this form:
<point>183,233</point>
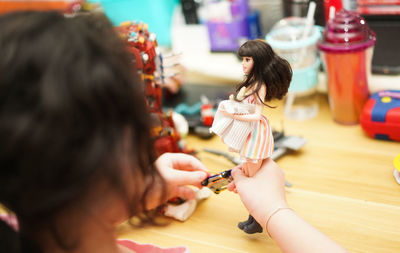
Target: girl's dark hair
<point>269,69</point>
<point>70,102</point>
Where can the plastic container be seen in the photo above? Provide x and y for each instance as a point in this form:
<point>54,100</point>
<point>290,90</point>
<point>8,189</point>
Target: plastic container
<point>303,92</point>
<point>346,51</point>
<point>286,38</point>
<point>228,35</point>
<point>288,41</point>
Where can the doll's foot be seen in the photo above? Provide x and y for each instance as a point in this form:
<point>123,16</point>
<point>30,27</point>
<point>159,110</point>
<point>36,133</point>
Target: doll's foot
<point>242,224</point>
<point>253,227</point>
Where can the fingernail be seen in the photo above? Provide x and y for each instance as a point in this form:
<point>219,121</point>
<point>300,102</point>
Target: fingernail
<point>202,175</point>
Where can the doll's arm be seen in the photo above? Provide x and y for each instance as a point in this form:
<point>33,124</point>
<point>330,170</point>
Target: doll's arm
<point>256,116</point>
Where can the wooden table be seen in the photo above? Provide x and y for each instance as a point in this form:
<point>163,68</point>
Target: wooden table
<point>342,184</point>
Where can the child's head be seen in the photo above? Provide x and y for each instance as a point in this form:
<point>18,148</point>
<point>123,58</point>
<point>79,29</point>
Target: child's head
<point>268,69</point>
<point>72,114</point>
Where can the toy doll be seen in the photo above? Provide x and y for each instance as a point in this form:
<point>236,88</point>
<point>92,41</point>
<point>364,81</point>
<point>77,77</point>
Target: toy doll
<point>233,132</point>
<point>267,77</point>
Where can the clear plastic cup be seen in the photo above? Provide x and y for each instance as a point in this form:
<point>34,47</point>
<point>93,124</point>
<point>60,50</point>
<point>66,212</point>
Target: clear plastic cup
<point>290,40</point>
<point>287,40</point>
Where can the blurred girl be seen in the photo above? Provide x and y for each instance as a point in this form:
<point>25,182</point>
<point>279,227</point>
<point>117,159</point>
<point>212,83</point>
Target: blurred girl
<point>76,155</point>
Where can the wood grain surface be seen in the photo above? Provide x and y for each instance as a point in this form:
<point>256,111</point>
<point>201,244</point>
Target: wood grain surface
<point>342,183</point>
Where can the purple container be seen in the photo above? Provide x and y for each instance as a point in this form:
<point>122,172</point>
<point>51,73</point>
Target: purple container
<point>227,37</point>
<point>239,9</point>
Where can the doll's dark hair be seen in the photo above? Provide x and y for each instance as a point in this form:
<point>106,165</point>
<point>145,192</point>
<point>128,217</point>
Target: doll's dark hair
<point>71,105</point>
<point>269,69</point>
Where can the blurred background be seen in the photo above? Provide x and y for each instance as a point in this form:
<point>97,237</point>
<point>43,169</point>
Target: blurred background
<point>345,50</point>
<point>338,128</point>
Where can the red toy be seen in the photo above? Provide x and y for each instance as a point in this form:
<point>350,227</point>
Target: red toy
<point>380,118</point>
<point>143,46</point>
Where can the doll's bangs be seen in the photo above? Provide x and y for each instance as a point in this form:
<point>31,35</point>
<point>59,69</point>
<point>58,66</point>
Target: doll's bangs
<point>245,51</point>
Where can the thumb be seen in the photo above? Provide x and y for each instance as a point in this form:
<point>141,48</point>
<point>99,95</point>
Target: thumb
<point>181,177</point>
<point>237,174</point>
<point>185,192</point>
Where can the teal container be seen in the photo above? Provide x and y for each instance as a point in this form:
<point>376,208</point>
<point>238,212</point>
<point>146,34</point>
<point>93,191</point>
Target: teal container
<point>286,39</point>
<point>290,40</point>
<point>156,13</point>
<point>306,78</point>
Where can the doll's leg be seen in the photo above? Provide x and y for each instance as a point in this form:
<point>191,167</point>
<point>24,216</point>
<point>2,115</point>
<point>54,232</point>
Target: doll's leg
<point>243,224</point>
<point>251,226</point>
<point>250,168</point>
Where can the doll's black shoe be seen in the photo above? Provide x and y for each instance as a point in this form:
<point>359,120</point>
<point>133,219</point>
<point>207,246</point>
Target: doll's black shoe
<point>253,227</point>
<point>242,224</point>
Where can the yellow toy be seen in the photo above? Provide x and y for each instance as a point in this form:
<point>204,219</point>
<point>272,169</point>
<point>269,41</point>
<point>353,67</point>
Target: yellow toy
<point>396,172</point>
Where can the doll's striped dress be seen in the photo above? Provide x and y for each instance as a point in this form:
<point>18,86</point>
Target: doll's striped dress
<point>260,142</point>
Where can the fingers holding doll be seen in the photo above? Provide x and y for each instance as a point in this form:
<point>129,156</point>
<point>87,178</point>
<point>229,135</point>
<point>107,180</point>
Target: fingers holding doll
<point>178,171</point>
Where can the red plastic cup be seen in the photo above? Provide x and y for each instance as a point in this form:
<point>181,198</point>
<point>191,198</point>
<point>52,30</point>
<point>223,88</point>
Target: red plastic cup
<point>346,50</point>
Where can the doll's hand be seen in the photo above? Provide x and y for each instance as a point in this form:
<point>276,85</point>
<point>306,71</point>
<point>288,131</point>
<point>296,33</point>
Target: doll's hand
<point>263,192</point>
<point>226,113</point>
<point>179,171</point>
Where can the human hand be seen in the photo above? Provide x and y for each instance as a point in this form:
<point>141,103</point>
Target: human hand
<point>178,170</point>
<point>263,192</point>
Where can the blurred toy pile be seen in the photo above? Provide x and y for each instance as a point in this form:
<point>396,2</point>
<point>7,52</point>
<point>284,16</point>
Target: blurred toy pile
<point>149,63</point>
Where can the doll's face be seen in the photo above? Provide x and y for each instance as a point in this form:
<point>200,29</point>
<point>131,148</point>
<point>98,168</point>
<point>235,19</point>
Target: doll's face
<point>247,64</point>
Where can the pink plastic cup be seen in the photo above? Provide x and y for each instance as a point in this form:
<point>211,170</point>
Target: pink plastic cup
<point>346,50</point>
